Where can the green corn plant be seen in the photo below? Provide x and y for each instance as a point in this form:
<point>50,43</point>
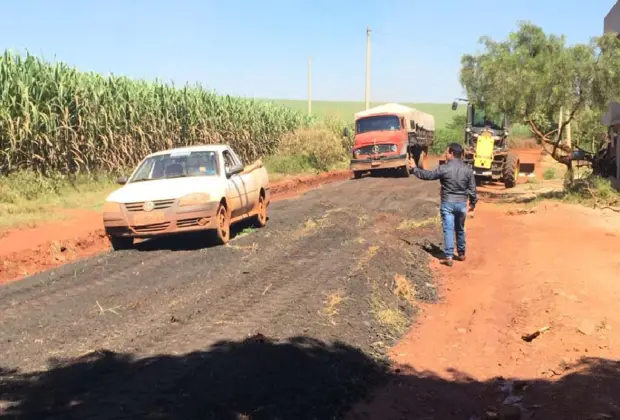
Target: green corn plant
<point>55,119</point>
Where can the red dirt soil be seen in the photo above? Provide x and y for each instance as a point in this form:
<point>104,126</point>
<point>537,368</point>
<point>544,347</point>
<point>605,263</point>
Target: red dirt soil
<point>555,268</point>
<point>28,251</point>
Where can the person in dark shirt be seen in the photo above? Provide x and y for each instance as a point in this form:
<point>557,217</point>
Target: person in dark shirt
<point>457,186</point>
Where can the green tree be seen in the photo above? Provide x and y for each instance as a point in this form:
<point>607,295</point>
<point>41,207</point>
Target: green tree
<point>532,75</point>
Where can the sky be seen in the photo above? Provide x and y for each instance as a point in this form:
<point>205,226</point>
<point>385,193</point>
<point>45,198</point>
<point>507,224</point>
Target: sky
<point>260,48</point>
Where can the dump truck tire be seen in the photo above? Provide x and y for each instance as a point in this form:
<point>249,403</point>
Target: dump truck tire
<point>511,171</point>
<point>419,158</point>
<point>421,161</point>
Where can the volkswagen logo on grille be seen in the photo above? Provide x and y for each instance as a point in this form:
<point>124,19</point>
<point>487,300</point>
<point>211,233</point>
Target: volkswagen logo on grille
<point>148,206</point>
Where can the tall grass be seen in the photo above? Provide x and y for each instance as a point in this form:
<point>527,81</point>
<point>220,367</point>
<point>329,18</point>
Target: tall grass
<point>54,118</point>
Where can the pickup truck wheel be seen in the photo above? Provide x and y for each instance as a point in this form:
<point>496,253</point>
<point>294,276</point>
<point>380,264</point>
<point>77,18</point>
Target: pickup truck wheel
<point>260,220</point>
<point>222,225</point>
<point>120,243</point>
<point>357,174</point>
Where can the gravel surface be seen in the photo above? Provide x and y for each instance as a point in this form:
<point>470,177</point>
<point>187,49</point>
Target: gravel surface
<point>287,322</point>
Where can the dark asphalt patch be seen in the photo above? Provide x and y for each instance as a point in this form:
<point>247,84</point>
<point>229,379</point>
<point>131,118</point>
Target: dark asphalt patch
<point>318,271</point>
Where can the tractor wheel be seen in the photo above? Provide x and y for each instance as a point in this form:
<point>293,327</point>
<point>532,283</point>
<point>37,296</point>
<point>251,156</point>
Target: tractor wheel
<point>511,171</point>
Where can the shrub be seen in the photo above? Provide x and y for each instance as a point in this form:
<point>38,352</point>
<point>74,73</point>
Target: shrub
<point>445,136</point>
<point>549,174</point>
<point>317,147</point>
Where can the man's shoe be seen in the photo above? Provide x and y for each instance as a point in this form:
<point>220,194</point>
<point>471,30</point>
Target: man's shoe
<point>460,258</point>
<point>447,261</point>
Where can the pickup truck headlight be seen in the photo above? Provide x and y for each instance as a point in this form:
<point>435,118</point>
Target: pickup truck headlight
<point>393,148</point>
<point>194,199</point>
<point>356,152</point>
<point>111,207</point>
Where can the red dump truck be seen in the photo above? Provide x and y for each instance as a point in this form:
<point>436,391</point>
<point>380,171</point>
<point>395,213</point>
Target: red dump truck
<point>391,136</point>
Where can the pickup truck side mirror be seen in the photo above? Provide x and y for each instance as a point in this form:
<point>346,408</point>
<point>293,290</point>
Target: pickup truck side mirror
<point>233,170</point>
<point>454,106</point>
<point>346,132</point>
<point>121,180</point>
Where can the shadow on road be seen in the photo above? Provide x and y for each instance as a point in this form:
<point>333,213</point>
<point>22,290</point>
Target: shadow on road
<point>433,250</point>
<point>589,389</point>
<point>191,241</point>
<point>301,378</point>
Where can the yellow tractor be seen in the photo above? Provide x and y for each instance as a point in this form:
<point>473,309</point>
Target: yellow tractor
<point>485,148</point>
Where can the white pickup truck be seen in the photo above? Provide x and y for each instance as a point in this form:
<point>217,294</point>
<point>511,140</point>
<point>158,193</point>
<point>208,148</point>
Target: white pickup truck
<point>186,189</point>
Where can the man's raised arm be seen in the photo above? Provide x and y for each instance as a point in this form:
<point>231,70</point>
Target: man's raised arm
<point>428,175</point>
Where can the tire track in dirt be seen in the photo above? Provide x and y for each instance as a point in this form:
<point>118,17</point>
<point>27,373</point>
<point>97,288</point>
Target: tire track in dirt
<point>43,302</point>
<point>257,293</point>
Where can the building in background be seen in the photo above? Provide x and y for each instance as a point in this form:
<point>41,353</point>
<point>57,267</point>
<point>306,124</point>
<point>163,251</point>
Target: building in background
<point>611,118</point>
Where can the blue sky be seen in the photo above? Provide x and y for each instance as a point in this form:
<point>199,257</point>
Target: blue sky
<point>260,48</point>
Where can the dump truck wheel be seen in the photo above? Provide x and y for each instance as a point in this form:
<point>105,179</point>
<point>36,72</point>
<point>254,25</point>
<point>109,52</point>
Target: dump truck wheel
<point>419,157</point>
<point>357,174</point>
<point>511,171</point>
<point>421,161</point>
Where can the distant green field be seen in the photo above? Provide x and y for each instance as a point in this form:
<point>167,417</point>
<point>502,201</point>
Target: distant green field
<point>344,110</point>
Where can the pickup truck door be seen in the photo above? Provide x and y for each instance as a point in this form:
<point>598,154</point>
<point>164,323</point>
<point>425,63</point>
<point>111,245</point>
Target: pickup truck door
<point>250,186</point>
<point>235,189</point>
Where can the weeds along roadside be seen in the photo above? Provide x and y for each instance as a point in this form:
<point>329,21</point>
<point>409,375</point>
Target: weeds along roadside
<point>27,195</point>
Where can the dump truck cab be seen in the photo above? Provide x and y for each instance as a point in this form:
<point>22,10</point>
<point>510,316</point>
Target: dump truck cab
<point>391,136</point>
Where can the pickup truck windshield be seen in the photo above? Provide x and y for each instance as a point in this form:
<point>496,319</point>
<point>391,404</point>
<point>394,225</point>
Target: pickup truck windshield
<point>177,165</point>
<point>377,123</point>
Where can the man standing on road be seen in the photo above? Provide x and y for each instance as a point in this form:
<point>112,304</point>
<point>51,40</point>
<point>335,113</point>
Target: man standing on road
<point>457,185</point>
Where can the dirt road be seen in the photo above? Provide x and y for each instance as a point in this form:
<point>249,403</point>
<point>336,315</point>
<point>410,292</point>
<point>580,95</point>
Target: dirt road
<point>137,333</point>
<point>294,320</point>
<point>465,358</point>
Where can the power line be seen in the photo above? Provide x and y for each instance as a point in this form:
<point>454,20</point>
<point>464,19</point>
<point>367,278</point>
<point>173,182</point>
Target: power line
<point>367,90</point>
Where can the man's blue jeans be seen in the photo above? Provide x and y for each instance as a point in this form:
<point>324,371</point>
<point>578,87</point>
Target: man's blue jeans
<point>453,220</point>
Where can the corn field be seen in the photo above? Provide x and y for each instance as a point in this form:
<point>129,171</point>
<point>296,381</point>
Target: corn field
<point>54,118</point>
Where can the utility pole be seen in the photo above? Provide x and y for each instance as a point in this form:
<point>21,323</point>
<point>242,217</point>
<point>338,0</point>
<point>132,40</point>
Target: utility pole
<point>367,92</point>
<point>309,88</point>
